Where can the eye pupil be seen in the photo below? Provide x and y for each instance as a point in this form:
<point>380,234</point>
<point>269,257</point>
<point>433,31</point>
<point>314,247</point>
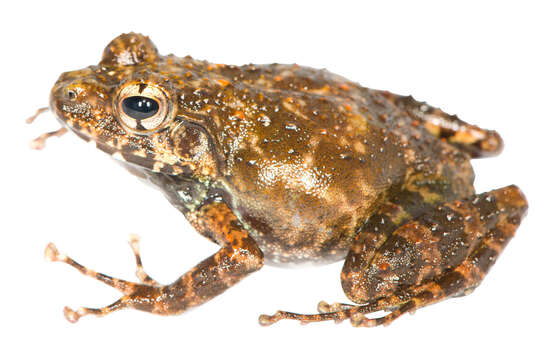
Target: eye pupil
<point>140,107</point>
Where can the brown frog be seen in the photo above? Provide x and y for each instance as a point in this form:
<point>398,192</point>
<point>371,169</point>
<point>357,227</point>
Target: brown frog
<point>290,164</point>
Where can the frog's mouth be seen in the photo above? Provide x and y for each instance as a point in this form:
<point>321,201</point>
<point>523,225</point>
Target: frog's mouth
<point>136,158</point>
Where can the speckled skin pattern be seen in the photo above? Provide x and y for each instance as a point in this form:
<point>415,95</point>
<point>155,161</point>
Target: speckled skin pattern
<point>294,165</point>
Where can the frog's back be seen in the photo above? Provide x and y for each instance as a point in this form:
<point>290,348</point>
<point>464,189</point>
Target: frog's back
<point>308,157</point>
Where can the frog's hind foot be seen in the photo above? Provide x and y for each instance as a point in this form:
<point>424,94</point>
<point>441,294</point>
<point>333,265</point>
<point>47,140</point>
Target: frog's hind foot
<point>267,320</point>
<point>336,311</point>
<point>323,307</point>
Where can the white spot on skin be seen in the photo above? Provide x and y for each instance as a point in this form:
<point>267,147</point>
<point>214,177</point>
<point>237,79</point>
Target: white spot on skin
<point>265,120</point>
<point>296,220</point>
<point>184,196</point>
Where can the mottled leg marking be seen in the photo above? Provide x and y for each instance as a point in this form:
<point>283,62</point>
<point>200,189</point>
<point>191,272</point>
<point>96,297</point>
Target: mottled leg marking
<point>238,257</point>
<point>477,142</point>
<point>443,254</point>
<point>463,279</point>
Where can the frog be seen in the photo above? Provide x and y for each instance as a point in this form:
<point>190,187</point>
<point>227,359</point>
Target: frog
<point>286,165</point>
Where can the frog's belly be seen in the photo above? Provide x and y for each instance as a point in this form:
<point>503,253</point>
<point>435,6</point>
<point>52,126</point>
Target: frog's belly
<point>288,234</point>
<point>284,254</point>
<point>297,228</point>
<point>288,239</point>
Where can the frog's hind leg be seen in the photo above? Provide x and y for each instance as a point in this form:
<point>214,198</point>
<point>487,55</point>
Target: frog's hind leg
<point>464,278</point>
<point>443,253</point>
<point>390,215</point>
<point>475,141</point>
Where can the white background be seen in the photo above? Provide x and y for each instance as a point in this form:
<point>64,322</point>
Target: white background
<point>488,62</point>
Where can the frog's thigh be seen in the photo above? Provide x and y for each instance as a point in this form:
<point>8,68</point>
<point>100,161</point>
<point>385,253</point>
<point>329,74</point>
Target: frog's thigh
<point>477,142</point>
<point>444,253</point>
<point>239,255</point>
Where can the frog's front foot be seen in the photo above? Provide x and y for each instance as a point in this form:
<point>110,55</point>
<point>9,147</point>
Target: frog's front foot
<point>140,272</point>
<point>238,257</point>
<point>135,294</point>
<point>40,142</point>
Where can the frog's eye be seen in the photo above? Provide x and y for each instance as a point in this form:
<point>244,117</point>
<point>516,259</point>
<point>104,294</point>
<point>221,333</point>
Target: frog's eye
<point>139,107</point>
<point>143,108</point>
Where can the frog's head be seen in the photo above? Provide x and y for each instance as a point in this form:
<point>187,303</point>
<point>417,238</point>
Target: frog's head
<point>128,106</point>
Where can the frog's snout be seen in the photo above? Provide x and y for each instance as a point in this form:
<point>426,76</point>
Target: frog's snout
<point>61,96</point>
<point>59,91</point>
<point>75,94</point>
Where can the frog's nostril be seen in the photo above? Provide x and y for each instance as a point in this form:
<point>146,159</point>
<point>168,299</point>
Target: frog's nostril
<point>62,93</point>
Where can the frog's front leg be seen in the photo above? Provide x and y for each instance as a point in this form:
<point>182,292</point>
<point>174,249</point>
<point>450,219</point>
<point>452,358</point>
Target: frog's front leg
<point>442,253</point>
<point>239,255</point>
